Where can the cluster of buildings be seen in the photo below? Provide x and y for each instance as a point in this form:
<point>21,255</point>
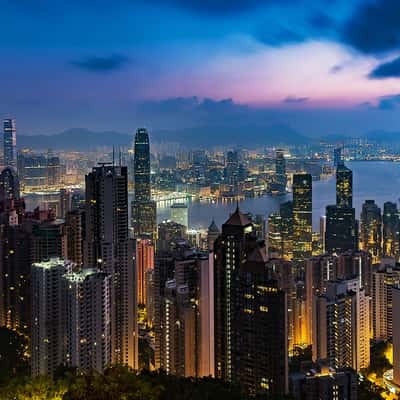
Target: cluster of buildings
<point>88,285</point>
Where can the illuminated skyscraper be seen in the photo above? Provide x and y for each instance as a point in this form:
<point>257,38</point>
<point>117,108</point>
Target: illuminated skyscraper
<point>142,166</point>
<point>250,312</point>
<point>371,230</point>
<point>396,335</point>
<point>108,247</point>
<point>337,156</point>
<point>280,172</point>
<point>391,230</point>
<point>302,219</point>
<point>344,186</point>
<point>10,143</point>
<point>9,185</point>
<point>144,210</point>
<point>144,262</point>
<point>179,214</point>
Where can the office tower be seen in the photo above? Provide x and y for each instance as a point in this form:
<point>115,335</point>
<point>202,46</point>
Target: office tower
<point>108,247</point>
<point>280,232</point>
<point>383,282</point>
<point>341,226</point>
<point>54,175</point>
<point>231,172</point>
<point>302,219</point>
<point>75,227</point>
<point>144,210</point>
<point>10,143</point>
<point>344,186</point>
<point>212,235</point>
<point>396,335</point>
<point>47,332</point>
<point>341,326</point>
<point>87,326</point>
<point>168,234</point>
<point>371,230</point>
<point>180,214</point>
<point>325,383</point>
<point>341,229</point>
<point>391,230</point>
<point>144,262</point>
<point>250,312</point>
<point>280,172</point>
<point>337,156</point>
<point>65,203</point>
<point>9,185</point>
<point>322,232</point>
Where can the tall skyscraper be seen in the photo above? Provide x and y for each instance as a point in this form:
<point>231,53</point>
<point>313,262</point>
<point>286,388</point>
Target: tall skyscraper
<point>396,335</point>
<point>280,172</point>
<point>250,312</point>
<point>10,142</point>
<point>144,210</point>
<point>180,214</point>
<point>108,247</point>
<point>337,156</point>
<point>142,166</point>
<point>344,186</point>
<point>391,230</point>
<point>371,230</point>
<point>302,220</point>
<point>9,185</point>
<point>341,226</point>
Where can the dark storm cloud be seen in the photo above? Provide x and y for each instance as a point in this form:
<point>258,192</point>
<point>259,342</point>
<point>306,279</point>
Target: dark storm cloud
<point>374,27</point>
<point>101,64</point>
<point>389,69</point>
<point>295,100</point>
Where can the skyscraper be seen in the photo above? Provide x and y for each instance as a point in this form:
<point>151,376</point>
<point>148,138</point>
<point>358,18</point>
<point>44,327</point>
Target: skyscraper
<point>391,230</point>
<point>9,185</point>
<point>341,232</point>
<point>144,210</point>
<point>179,214</point>
<point>302,219</point>
<point>142,166</point>
<point>344,186</point>
<point>47,336</point>
<point>280,172</point>
<point>341,326</point>
<point>371,230</point>
<point>250,312</point>
<point>144,262</point>
<point>10,143</point>
<point>108,247</point>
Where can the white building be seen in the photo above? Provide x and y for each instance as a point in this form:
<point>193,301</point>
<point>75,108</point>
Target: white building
<point>87,319</point>
<point>47,348</point>
<point>180,214</point>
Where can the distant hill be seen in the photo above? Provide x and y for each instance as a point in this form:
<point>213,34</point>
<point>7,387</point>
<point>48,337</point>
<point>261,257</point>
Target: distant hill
<point>383,136</point>
<point>83,139</point>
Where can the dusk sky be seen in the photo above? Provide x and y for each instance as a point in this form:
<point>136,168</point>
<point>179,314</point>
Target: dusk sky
<point>319,66</point>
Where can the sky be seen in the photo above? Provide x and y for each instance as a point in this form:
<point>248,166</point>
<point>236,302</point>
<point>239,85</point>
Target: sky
<point>321,67</point>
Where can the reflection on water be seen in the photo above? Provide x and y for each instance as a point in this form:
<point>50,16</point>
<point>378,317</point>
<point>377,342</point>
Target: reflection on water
<point>376,180</point>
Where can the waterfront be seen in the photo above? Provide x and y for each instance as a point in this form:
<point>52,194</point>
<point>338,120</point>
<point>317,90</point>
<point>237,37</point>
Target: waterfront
<point>376,180</point>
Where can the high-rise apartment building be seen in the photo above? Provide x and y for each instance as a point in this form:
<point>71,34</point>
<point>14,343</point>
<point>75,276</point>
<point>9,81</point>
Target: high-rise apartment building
<point>108,247</point>
<point>250,312</point>
<point>10,143</point>
<point>75,227</point>
<point>86,296</point>
<point>341,326</point>
<point>396,335</point>
<point>144,263</point>
<point>48,313</point>
<point>383,281</point>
